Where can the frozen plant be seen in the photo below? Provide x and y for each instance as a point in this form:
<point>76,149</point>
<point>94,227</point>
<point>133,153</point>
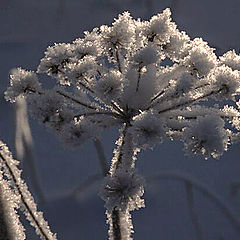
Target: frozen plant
<point>146,77</point>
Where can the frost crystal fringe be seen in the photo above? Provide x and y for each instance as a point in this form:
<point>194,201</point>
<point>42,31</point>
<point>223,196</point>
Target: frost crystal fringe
<point>19,190</point>
<point>11,227</point>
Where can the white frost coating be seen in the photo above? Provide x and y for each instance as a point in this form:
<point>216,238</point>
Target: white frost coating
<point>123,191</point>
<point>55,59</point>
<point>78,131</point>
<point>22,83</point>
<point>121,35</point>
<point>231,59</point>
<point>80,71</point>
<point>10,202</point>
<point>160,28</point>
<point>178,45</point>
<point>86,47</point>
<point>185,82</point>
<point>201,59</point>
<point>49,109</point>
<point>206,137</point>
<point>110,86</point>
<point>147,130</point>
<point>227,79</point>
<point>125,223</point>
<point>145,56</point>
<point>21,192</point>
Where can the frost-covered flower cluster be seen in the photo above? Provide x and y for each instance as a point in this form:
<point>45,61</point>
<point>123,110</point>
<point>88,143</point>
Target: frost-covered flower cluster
<point>117,76</point>
<point>123,191</point>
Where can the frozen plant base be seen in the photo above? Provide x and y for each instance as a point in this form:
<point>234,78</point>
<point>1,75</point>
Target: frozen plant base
<point>114,76</point>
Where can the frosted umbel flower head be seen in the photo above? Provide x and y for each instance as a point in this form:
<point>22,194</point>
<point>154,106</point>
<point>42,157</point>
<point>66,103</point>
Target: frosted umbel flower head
<point>116,76</point>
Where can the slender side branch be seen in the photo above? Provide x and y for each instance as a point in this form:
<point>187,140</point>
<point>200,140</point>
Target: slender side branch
<point>101,156</point>
<point>161,93</point>
<point>75,100</point>
<point>118,60</point>
<point>139,77</point>
<point>190,101</point>
<point>98,113</point>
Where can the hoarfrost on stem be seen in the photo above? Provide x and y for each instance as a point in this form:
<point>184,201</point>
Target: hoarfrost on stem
<point>18,195</point>
<point>116,76</point>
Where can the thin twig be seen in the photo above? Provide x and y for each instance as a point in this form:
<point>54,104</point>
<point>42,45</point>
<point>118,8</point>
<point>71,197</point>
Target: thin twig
<point>119,110</point>
<point>190,101</point>
<point>118,61</point>
<point>75,100</point>
<point>101,156</point>
<point>98,113</point>
<point>139,77</point>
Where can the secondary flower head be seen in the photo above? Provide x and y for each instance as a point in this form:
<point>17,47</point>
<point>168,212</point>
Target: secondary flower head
<point>123,191</point>
<point>22,83</point>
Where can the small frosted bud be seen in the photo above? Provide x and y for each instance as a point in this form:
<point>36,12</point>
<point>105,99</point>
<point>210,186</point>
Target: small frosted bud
<point>49,109</point>
<point>227,80</point>
<point>178,46</point>
<point>110,86</point>
<point>206,136</point>
<point>56,58</point>
<point>145,56</point>
<point>160,27</point>
<point>231,59</point>
<point>22,83</point>
<point>185,82</point>
<point>147,130</point>
<point>85,47</point>
<point>82,70</point>
<point>121,34</point>
<point>78,131</point>
<point>123,191</point>
<point>201,59</point>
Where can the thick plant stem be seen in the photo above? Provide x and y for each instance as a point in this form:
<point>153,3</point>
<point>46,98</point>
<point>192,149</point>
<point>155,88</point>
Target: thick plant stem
<point>4,229</point>
<point>10,226</point>
<point>120,225</point>
<point>116,225</point>
<point>124,158</point>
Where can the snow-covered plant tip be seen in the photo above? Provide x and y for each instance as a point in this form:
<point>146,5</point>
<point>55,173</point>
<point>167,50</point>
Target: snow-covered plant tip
<point>146,77</point>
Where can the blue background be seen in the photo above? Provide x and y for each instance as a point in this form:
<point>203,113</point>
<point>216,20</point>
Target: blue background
<point>27,27</point>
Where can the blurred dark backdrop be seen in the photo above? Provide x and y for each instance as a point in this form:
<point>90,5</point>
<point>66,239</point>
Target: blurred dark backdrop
<point>27,27</point>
